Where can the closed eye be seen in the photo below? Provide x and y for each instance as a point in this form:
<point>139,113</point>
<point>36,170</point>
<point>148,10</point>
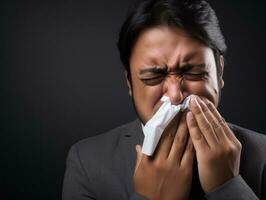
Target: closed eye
<point>153,80</point>
<point>194,76</point>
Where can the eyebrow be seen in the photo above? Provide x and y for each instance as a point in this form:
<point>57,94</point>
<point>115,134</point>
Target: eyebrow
<point>162,70</point>
<point>154,69</point>
<point>188,66</point>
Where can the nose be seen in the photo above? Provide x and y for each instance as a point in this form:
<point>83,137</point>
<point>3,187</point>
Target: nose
<point>173,89</point>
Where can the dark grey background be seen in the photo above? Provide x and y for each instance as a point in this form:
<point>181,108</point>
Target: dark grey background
<point>61,81</point>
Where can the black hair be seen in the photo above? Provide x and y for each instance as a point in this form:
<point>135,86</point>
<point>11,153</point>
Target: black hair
<point>194,16</point>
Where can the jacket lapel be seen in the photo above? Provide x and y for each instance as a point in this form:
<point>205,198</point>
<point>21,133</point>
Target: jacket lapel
<point>132,135</point>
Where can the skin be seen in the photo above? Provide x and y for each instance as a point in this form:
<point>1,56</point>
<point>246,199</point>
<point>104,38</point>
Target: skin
<point>172,48</point>
<point>183,66</point>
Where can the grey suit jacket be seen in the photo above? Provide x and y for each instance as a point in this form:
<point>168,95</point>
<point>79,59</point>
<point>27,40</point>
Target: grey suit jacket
<point>102,167</point>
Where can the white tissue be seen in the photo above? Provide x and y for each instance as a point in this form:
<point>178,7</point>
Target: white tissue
<point>154,128</point>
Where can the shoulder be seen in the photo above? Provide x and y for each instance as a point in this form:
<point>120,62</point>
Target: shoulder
<point>252,141</point>
<point>248,135</point>
<point>103,145</point>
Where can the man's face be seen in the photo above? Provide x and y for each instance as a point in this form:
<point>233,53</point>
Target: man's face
<point>167,61</point>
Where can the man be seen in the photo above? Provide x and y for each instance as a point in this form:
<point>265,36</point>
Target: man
<point>173,49</point>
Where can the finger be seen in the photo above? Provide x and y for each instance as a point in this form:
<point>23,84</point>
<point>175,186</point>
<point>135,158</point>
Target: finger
<point>203,124</point>
<point>199,142</point>
<point>189,154</point>
<point>165,143</point>
<point>179,142</point>
<point>221,121</point>
<point>217,127</point>
<point>138,156</point>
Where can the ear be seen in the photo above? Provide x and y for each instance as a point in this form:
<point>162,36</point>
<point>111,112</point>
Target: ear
<point>128,83</point>
<point>220,78</point>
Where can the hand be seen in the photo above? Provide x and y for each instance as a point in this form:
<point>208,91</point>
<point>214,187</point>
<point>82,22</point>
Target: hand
<point>217,149</point>
<point>167,175</point>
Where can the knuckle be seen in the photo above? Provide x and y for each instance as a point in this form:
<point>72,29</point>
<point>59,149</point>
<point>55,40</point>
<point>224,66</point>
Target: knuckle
<point>171,135</point>
<point>204,108</point>
<point>210,105</point>
<point>229,151</point>
<point>168,135</point>
<point>222,121</point>
<point>180,139</point>
<point>207,127</point>
<point>162,166</point>
<point>232,150</point>
<point>215,124</point>
<point>197,110</point>
<point>158,166</point>
<point>239,145</point>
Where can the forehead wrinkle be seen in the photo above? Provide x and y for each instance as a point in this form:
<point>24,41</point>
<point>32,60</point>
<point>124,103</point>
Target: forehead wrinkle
<point>154,56</point>
<point>180,52</point>
<point>157,45</point>
<point>173,60</point>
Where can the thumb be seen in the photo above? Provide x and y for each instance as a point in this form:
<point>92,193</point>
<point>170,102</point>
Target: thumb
<point>138,156</point>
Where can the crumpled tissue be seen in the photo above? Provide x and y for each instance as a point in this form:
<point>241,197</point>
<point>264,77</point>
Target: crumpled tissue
<point>154,128</point>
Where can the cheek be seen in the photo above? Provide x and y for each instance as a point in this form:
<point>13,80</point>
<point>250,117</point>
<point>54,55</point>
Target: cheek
<point>203,88</point>
<point>146,99</point>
